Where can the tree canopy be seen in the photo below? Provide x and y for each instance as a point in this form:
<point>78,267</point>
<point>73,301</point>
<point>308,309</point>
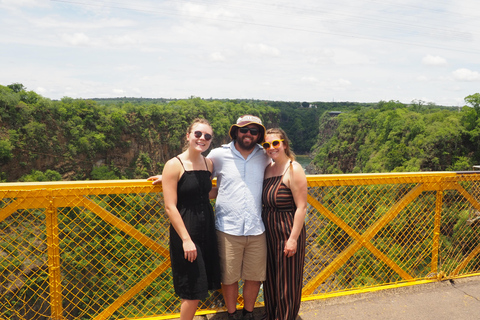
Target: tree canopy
<point>126,138</point>
<point>391,136</point>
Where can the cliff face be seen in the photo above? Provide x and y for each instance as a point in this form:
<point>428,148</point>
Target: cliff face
<point>336,150</point>
<point>133,156</point>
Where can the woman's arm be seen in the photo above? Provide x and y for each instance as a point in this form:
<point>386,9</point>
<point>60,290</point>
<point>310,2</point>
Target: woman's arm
<point>171,174</point>
<point>298,185</point>
<point>214,192</point>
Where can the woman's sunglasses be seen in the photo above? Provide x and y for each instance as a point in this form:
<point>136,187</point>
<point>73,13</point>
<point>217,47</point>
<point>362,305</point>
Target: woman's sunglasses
<point>275,143</point>
<point>253,131</point>
<point>198,134</point>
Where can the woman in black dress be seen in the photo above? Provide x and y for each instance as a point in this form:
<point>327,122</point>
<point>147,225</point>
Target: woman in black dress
<point>186,181</point>
<point>284,207</point>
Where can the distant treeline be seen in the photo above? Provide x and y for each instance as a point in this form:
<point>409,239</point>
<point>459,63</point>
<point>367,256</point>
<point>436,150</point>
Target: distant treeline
<point>393,137</point>
<point>131,138</point>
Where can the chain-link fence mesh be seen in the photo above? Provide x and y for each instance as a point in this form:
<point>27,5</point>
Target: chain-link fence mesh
<point>100,251</point>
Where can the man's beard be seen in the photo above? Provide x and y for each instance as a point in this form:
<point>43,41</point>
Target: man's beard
<point>244,146</point>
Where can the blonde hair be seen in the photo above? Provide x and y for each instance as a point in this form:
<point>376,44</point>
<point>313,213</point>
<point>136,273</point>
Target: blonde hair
<point>282,135</point>
<point>193,124</point>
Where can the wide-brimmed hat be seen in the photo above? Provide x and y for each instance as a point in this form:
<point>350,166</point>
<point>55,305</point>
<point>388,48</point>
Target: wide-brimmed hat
<point>245,120</point>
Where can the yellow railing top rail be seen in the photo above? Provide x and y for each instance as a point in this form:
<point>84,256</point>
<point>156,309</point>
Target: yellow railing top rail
<point>144,182</point>
<point>73,184</point>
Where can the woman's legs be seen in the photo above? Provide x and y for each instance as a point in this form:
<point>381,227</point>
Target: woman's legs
<point>188,308</point>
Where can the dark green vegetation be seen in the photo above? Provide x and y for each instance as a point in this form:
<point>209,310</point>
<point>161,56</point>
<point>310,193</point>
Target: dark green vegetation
<point>86,139</point>
<point>393,137</point>
<point>131,138</point>
<point>125,138</point>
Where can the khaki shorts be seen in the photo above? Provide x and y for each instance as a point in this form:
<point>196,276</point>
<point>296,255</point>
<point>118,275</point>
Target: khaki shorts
<point>242,257</point>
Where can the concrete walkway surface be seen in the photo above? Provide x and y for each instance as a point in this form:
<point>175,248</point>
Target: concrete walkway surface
<point>457,299</point>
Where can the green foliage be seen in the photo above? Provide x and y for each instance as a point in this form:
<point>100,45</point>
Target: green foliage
<point>16,87</point>
<point>474,101</point>
<point>301,120</point>
<point>5,151</point>
<point>103,173</point>
<point>392,137</point>
<point>49,175</point>
<point>134,137</point>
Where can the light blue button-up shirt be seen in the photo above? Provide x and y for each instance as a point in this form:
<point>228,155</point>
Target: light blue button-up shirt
<point>238,207</point>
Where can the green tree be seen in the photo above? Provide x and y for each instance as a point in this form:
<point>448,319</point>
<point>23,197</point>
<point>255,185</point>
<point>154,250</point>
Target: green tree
<point>16,87</point>
<point>474,101</point>
<point>5,151</point>
<point>103,173</point>
<point>36,175</point>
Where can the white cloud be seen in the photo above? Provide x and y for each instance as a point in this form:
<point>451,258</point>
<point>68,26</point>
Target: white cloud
<point>76,39</point>
<point>62,22</point>
<point>464,74</point>
<point>350,57</point>
<point>310,79</point>
<point>217,56</point>
<point>126,67</point>
<point>211,12</point>
<point>41,90</point>
<point>124,40</point>
<point>341,83</point>
<point>434,61</point>
<point>21,3</point>
<point>262,49</point>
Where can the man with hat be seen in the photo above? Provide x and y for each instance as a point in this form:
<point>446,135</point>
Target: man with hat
<point>239,167</point>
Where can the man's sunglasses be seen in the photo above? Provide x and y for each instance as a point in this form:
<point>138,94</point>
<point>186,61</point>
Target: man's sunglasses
<point>198,134</point>
<point>274,143</point>
<point>253,131</point>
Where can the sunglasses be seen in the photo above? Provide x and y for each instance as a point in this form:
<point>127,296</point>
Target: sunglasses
<point>253,131</point>
<point>207,136</point>
<point>274,143</point>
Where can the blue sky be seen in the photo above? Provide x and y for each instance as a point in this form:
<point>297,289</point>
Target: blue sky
<point>329,50</point>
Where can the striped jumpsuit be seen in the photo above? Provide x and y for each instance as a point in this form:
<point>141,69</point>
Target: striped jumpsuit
<point>283,286</point>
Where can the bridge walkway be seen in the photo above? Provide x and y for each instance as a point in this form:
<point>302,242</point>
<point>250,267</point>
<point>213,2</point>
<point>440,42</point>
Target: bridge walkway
<point>457,299</point>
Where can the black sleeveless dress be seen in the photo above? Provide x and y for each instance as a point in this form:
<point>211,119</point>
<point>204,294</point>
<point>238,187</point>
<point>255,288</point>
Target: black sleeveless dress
<point>192,280</point>
<point>283,286</point>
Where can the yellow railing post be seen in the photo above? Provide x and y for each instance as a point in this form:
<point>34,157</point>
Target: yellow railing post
<point>54,261</point>
<point>436,231</point>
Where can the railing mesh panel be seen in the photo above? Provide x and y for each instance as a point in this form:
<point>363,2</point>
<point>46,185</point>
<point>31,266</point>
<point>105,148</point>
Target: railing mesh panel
<point>101,252</point>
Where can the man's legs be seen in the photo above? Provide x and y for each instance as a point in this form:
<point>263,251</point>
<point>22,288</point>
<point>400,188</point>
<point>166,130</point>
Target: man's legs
<point>254,269</point>
<point>230,295</point>
<point>250,293</point>
<point>246,256</point>
<point>230,249</point>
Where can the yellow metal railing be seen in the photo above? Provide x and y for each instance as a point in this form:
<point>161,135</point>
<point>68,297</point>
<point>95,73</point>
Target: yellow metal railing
<point>99,250</point>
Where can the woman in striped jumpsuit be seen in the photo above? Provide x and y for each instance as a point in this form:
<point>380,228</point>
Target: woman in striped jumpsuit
<point>284,208</point>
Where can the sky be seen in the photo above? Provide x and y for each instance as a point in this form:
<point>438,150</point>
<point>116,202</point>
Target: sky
<point>303,50</point>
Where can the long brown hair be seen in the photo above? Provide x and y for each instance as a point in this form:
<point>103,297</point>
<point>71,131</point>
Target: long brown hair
<point>279,132</point>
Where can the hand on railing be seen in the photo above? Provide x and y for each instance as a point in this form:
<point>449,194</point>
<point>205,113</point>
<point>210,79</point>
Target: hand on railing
<point>155,179</point>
